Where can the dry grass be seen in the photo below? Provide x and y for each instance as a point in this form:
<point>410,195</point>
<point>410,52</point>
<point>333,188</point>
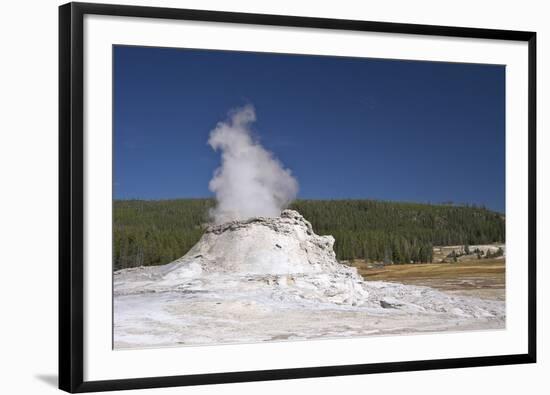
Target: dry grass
<point>483,278</point>
<point>483,267</point>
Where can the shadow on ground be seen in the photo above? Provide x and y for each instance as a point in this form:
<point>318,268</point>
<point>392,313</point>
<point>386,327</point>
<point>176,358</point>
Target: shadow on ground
<point>50,379</point>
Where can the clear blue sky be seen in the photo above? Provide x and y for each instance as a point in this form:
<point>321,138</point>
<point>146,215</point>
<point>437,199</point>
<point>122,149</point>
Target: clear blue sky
<point>346,127</point>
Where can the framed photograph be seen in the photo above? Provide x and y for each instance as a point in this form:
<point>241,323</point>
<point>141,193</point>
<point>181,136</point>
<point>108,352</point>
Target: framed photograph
<point>250,197</point>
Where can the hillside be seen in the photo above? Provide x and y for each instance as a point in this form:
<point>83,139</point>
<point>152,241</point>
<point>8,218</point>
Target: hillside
<point>157,232</point>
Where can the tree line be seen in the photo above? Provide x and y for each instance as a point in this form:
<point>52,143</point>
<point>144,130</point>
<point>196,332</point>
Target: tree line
<point>147,232</point>
<point>399,232</point>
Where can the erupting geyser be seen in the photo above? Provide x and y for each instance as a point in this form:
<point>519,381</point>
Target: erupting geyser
<point>261,273</point>
<point>251,182</point>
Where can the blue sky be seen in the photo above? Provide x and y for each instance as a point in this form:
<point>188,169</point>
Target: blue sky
<point>346,127</point>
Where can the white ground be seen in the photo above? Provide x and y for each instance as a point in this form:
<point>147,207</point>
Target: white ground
<point>269,279</point>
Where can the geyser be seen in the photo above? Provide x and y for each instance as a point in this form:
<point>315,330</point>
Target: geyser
<point>255,252</point>
<point>260,273</point>
<point>250,182</point>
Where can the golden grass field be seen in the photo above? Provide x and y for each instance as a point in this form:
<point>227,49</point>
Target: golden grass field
<point>484,278</point>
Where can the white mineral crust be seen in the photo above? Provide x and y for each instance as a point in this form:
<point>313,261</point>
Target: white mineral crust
<point>274,279</point>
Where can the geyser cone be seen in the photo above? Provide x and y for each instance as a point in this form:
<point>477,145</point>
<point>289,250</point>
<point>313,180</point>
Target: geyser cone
<point>258,246</point>
<point>282,251</point>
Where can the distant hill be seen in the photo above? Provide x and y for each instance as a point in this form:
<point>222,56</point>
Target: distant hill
<point>147,232</point>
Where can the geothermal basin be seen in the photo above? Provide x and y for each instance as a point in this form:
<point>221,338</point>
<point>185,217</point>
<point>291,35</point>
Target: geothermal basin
<point>273,279</point>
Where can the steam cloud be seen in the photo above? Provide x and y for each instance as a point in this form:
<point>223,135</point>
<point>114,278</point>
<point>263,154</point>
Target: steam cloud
<point>250,182</point>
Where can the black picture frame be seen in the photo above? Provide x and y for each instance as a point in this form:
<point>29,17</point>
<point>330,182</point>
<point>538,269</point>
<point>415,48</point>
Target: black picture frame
<point>71,204</point>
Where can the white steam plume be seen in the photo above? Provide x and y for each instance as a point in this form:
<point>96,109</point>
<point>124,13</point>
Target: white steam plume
<point>251,182</point>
